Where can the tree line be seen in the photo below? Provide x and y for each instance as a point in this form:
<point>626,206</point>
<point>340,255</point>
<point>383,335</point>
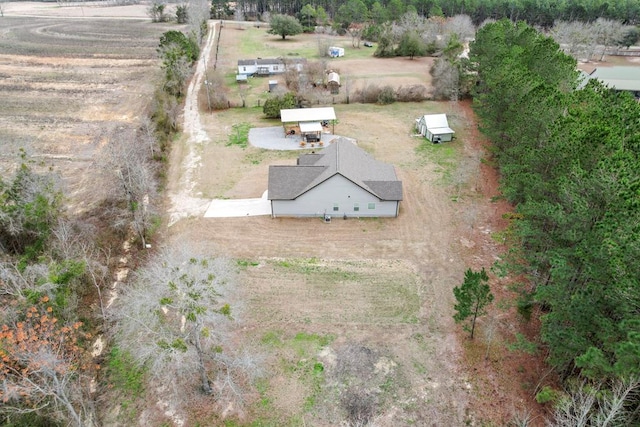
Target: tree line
<point>535,12</point>
<point>569,159</point>
<point>53,261</point>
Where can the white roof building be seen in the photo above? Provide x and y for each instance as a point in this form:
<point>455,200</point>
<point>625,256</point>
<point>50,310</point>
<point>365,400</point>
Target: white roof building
<point>307,115</point>
<point>435,127</point>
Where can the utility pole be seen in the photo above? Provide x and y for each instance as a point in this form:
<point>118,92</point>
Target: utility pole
<point>206,83</point>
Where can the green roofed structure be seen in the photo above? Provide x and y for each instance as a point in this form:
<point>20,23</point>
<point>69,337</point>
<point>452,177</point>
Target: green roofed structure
<point>623,78</point>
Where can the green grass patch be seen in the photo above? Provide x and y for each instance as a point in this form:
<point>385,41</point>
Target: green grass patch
<point>123,374</point>
<point>445,155</point>
<point>256,43</point>
<point>310,267</point>
<point>341,292</point>
<point>239,135</point>
<point>272,339</point>
<point>244,263</point>
<point>298,361</point>
<point>308,345</point>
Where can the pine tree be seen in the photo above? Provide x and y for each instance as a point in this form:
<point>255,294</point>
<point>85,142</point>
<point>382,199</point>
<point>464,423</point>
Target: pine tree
<point>473,296</point>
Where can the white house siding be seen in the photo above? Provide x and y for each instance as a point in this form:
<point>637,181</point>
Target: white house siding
<point>444,137</point>
<point>421,126</point>
<point>337,190</point>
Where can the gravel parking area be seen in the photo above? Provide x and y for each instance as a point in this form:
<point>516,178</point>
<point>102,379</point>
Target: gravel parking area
<point>273,138</point>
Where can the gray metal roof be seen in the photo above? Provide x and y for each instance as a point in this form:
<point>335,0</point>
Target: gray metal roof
<point>620,78</point>
<point>260,61</point>
<point>271,61</point>
<point>437,124</point>
<point>341,157</point>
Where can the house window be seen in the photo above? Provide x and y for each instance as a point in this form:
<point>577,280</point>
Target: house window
<point>371,206</point>
<point>356,207</point>
<point>275,68</point>
<point>244,68</point>
<point>335,207</point>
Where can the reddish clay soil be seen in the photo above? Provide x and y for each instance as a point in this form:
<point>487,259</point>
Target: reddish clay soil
<point>507,381</point>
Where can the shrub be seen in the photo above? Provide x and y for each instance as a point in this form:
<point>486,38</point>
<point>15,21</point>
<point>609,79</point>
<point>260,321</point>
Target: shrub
<point>157,12</point>
<point>413,93</point>
<point>30,204</point>
<point>368,94</point>
<point>387,96</point>
<point>273,105</point>
<point>182,15</point>
<point>546,395</point>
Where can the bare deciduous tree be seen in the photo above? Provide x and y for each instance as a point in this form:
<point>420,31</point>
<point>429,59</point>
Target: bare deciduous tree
<point>198,14</point>
<point>172,318</point>
<point>355,30</point>
<point>593,405</point>
<point>126,161</point>
<point>461,25</point>
<point>576,38</point>
<point>75,241</point>
<point>147,136</point>
<point>217,91</point>
<point>157,11</point>
<point>323,46</point>
<point>608,33</point>
<point>446,80</point>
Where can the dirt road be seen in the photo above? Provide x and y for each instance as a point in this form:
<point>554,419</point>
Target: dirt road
<point>183,202</point>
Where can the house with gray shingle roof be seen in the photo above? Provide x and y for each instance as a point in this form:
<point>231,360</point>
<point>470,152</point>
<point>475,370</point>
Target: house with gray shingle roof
<point>342,180</point>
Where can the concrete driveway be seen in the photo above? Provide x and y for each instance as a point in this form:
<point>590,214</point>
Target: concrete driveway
<point>233,208</point>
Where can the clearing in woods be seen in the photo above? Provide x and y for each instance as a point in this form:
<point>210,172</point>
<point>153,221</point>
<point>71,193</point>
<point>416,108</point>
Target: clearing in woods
<point>355,310</point>
<point>351,315</point>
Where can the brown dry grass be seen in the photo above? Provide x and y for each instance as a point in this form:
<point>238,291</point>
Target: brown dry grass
<point>65,83</point>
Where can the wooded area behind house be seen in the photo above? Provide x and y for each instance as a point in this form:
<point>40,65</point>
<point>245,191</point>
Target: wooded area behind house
<point>569,162</point>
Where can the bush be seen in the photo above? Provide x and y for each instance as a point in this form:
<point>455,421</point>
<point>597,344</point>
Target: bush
<point>157,12</point>
<point>368,94</point>
<point>387,96</point>
<point>546,395</point>
<point>359,406</point>
<point>30,205</point>
<point>182,14</point>
<point>273,105</point>
<point>413,93</point>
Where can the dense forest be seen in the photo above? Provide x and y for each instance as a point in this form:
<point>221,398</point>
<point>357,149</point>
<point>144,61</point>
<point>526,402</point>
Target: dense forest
<point>535,12</point>
<point>569,163</point>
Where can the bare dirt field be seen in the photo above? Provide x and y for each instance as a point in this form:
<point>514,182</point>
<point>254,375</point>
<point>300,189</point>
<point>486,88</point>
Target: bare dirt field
<point>64,83</point>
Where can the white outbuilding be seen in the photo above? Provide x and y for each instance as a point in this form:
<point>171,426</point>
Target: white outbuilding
<point>435,127</point>
<point>336,52</point>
